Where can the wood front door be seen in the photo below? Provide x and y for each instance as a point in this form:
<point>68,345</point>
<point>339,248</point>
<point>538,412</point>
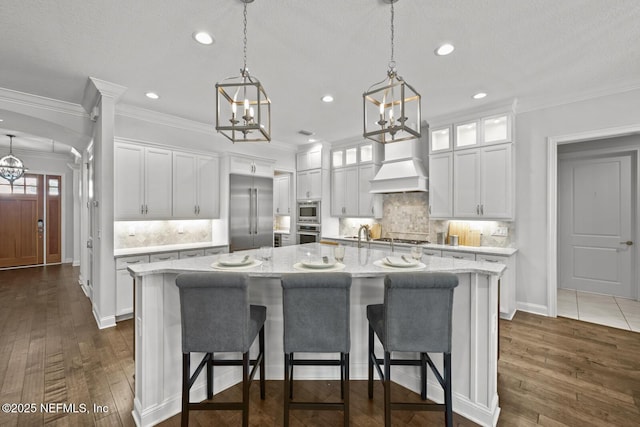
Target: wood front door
<point>21,240</point>
<point>595,225</point>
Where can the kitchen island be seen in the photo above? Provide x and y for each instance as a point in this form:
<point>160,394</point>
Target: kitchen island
<point>158,354</point>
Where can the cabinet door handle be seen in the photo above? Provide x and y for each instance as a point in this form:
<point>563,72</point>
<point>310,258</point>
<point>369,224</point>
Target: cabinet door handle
<point>457,257</point>
<point>481,209</point>
<point>198,209</point>
<point>195,209</point>
<point>164,258</point>
<point>429,209</point>
<point>278,210</point>
<point>146,209</point>
<point>490,260</point>
<point>477,209</point>
<point>133,262</point>
<point>142,209</point>
<point>307,194</point>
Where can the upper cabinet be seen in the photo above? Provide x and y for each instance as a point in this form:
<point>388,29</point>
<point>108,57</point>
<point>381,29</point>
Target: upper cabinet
<point>352,168</point>
<point>142,182</point>
<point>311,159</point>
<point>494,129</point>
<point>281,194</point>
<point>471,169</point>
<point>157,184</point>
<point>250,166</point>
<point>309,174</point>
<point>196,189</point>
<point>309,185</point>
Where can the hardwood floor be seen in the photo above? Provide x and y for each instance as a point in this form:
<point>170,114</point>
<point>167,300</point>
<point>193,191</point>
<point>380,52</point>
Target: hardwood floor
<point>552,372</point>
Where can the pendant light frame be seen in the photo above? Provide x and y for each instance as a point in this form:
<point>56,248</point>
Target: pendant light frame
<point>391,107</point>
<point>11,167</point>
<point>243,109</point>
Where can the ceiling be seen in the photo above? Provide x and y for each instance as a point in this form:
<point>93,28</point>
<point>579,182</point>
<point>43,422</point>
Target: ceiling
<point>541,52</point>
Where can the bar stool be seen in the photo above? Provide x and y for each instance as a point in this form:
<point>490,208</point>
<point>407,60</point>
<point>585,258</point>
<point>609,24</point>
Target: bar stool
<point>216,317</point>
<point>316,320</point>
<point>415,317</point>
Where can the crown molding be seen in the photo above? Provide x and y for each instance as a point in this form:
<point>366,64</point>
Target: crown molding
<point>97,88</point>
<point>155,117</point>
<point>528,105</point>
<point>41,102</point>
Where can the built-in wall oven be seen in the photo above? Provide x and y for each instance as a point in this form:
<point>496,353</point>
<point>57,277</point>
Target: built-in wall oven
<point>309,212</point>
<point>308,233</point>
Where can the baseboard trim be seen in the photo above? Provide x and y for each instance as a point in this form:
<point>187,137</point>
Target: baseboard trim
<point>542,310</point>
<point>103,322</point>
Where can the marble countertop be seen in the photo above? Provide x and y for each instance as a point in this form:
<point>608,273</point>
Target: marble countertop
<point>486,250</point>
<point>164,248</point>
<point>282,231</point>
<point>358,262</point>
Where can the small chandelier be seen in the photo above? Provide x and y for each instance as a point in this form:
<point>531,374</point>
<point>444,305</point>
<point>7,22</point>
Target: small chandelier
<point>11,167</point>
<point>392,106</point>
<point>243,112</point>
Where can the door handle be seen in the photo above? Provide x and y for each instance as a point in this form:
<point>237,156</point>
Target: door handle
<point>250,211</point>
<point>255,217</point>
<point>628,243</point>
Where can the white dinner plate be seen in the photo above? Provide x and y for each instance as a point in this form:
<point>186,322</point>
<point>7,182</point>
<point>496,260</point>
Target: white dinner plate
<point>403,261</point>
<point>235,261</point>
<point>317,263</point>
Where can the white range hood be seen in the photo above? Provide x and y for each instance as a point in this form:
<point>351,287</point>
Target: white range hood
<point>402,169</point>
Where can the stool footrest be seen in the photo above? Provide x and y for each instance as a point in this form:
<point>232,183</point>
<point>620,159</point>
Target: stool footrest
<point>408,406</point>
<point>207,406</point>
<point>319,406</point>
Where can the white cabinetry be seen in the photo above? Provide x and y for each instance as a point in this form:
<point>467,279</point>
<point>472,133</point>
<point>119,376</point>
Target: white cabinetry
<point>196,188</point>
<point>369,204</point>
<point>309,185</point>
<point>352,169</point>
<point>124,283</point>
<point>164,256</point>
<point>142,182</point>
<point>191,253</point>
<point>344,189</point>
<point>471,169</point>
<point>483,182</point>
<point>507,283</point>
<point>281,194</point>
<point>441,185</point>
<point>311,159</point>
<point>250,166</point>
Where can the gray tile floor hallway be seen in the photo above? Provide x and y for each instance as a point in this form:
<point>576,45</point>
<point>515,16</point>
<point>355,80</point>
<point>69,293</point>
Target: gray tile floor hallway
<point>601,309</point>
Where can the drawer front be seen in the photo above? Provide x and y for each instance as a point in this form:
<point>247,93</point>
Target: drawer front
<point>215,251</point>
<point>432,252</point>
<point>459,255</point>
<point>191,253</point>
<point>124,262</point>
<point>167,256</point>
<point>491,258</point>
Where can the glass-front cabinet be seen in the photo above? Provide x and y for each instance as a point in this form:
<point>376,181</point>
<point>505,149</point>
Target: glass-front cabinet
<point>440,139</point>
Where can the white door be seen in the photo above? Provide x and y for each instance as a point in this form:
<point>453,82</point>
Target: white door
<point>595,248</point>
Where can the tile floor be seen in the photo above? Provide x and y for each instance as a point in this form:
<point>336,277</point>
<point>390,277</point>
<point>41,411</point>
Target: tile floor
<point>601,309</point>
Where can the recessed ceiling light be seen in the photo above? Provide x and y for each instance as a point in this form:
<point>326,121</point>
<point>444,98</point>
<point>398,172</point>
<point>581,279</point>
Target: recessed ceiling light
<point>479,95</point>
<point>152,95</point>
<point>312,140</point>
<point>327,98</point>
<point>203,37</point>
<point>445,49</point>
<point>1,120</point>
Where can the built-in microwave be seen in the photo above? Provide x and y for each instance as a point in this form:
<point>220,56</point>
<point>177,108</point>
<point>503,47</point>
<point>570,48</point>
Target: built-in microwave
<point>309,212</point>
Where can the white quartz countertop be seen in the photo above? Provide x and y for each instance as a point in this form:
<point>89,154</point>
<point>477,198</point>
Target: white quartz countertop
<point>165,248</point>
<point>282,231</point>
<point>358,262</point>
<point>486,250</point>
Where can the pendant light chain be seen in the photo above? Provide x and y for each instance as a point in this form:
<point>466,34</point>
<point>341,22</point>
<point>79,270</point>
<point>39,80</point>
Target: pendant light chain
<point>245,38</point>
<point>392,62</point>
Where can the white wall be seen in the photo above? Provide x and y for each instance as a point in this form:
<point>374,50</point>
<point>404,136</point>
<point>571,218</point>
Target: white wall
<point>532,130</point>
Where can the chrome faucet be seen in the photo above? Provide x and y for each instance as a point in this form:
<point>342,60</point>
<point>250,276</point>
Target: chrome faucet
<point>392,249</point>
<point>366,230</point>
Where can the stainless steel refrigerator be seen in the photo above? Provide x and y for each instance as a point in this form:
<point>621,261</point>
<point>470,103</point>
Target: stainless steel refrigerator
<point>250,212</point>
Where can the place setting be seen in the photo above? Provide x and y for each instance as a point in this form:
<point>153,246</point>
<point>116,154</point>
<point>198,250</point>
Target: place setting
<point>312,262</point>
<point>236,262</point>
<point>403,262</point>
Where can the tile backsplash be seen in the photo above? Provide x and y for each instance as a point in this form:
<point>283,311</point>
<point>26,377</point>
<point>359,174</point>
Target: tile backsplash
<point>135,234</point>
<point>406,216</point>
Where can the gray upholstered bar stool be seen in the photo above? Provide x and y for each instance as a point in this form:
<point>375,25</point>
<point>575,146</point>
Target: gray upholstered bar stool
<point>217,317</point>
<point>316,320</point>
<point>415,317</point>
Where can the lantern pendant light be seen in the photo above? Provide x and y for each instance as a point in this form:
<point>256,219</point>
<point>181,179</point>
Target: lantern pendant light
<point>392,106</point>
<point>11,167</point>
<point>243,109</point>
